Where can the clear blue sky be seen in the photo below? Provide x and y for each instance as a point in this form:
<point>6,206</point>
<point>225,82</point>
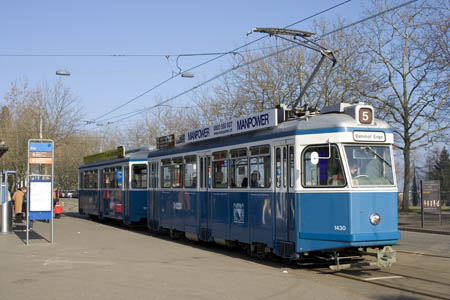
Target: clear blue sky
<point>135,27</point>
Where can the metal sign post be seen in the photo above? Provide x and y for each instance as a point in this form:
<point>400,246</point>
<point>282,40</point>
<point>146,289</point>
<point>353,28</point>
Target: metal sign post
<point>40,183</point>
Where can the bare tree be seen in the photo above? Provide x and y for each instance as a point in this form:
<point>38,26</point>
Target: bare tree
<point>409,88</point>
<point>158,121</point>
<point>47,112</point>
<point>61,110</point>
<point>263,80</point>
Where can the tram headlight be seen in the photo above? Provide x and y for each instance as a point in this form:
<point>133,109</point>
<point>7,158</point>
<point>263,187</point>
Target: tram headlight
<point>375,219</point>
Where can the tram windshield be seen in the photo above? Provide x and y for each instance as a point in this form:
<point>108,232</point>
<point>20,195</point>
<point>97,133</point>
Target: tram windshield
<point>370,165</point>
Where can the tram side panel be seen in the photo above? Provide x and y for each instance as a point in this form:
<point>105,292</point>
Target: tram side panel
<point>220,215</point>
<point>285,233</point>
<point>154,209</point>
<point>137,205</point>
<point>165,200</point>
<point>180,210</point>
<point>204,216</point>
<point>261,217</point>
<point>238,216</point>
<point>88,202</point>
<point>190,211</point>
<point>239,207</point>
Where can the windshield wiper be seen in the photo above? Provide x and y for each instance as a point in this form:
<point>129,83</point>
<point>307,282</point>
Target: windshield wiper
<point>377,155</point>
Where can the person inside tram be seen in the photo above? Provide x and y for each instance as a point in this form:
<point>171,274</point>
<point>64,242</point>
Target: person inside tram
<point>244,182</point>
<point>254,180</point>
<point>335,173</point>
<point>355,173</point>
<point>353,169</point>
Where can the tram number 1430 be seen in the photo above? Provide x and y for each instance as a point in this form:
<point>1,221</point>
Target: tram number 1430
<point>340,227</point>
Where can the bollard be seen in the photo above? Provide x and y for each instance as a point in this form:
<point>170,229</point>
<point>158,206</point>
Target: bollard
<point>6,213</point>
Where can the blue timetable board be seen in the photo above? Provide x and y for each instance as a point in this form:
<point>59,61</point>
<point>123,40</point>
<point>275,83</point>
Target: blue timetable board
<point>40,147</point>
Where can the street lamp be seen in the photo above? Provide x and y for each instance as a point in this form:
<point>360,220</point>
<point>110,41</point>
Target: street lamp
<point>63,73</point>
<point>187,75</point>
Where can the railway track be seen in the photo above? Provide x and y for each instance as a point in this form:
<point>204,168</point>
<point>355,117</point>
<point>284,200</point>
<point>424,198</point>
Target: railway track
<point>405,278</point>
<point>423,254</point>
<point>404,283</point>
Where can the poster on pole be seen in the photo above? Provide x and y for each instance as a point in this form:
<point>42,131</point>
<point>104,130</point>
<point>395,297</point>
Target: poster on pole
<point>41,195</point>
<point>431,196</point>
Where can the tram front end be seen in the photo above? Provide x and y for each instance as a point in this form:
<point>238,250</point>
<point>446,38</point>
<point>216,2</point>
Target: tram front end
<point>347,205</point>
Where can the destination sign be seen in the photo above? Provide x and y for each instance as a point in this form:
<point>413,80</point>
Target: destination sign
<point>369,136</point>
<point>165,141</point>
<point>257,121</point>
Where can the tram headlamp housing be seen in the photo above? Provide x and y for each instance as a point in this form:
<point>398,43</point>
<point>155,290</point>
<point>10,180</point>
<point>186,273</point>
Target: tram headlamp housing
<point>375,219</point>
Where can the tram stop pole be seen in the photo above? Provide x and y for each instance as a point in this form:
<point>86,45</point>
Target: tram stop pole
<point>40,183</point>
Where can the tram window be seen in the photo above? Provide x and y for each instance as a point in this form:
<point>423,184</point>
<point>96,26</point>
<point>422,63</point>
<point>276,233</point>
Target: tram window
<point>126,177</point>
<point>209,178</point>
<point>239,168</point>
<point>220,170</point>
<point>370,165</point>
<point>284,166</point>
<point>112,178</point>
<point>260,150</point>
<point>166,174</point>
<point>91,179</point>
<point>260,171</point>
<point>107,178</point>
<point>278,167</point>
<point>202,173</point>
<point>291,167</point>
<point>84,179</point>
<point>153,182</point>
<point>139,176</point>
<point>328,172</point>
<point>177,176</point>
<point>190,171</point>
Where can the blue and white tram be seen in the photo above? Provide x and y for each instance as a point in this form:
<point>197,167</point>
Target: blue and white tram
<point>113,184</point>
<point>280,182</point>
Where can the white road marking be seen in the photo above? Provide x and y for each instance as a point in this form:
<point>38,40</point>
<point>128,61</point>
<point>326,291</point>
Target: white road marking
<point>382,278</point>
<point>52,261</point>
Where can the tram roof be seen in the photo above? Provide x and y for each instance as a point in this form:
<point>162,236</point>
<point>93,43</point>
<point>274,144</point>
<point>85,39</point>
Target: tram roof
<point>313,124</point>
<point>130,155</point>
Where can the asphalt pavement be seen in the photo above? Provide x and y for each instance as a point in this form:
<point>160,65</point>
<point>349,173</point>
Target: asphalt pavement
<point>91,260</point>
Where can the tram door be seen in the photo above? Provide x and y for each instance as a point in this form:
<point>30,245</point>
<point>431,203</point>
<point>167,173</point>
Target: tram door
<point>284,197</point>
<point>153,203</point>
<point>126,187</point>
<point>101,200</point>
<point>204,195</point>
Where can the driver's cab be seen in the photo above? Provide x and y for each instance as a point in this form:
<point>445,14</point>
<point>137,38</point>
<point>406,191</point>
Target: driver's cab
<point>369,165</point>
<point>341,165</point>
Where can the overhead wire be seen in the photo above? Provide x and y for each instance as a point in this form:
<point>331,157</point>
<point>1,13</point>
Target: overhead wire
<point>137,112</point>
<point>98,119</point>
<point>113,55</point>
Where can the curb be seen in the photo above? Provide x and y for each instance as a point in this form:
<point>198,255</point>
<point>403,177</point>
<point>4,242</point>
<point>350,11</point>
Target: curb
<point>424,230</point>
